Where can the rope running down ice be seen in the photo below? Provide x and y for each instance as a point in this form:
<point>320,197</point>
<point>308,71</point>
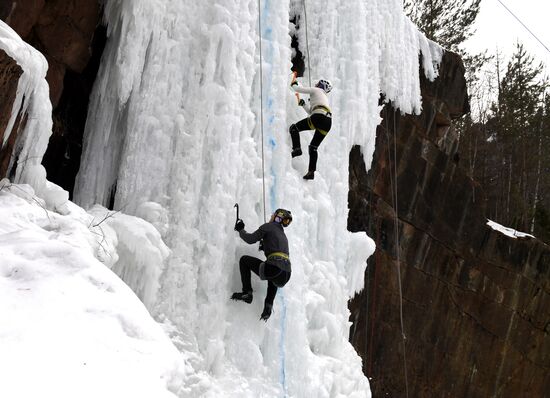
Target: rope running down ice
<point>307,44</point>
<point>393,184</point>
<point>398,260</point>
<point>282,373</point>
<point>262,106</point>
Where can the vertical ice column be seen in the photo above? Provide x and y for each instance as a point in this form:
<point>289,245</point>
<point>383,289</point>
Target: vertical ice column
<point>33,102</point>
<point>135,107</point>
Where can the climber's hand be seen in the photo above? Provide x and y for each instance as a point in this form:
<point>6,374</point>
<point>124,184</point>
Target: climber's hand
<point>301,102</point>
<point>239,224</point>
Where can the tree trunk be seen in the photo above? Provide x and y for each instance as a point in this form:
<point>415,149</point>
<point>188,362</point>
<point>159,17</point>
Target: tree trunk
<point>509,190</point>
<point>537,184</point>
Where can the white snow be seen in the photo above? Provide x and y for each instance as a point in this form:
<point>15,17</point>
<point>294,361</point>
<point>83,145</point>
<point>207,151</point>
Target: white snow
<point>140,250</point>
<point>174,134</point>
<point>507,231</point>
<point>69,326</point>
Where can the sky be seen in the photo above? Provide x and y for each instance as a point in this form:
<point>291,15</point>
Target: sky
<point>497,28</point>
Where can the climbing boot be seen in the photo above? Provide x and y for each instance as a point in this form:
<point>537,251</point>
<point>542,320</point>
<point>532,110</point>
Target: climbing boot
<point>243,296</point>
<point>296,152</point>
<point>309,175</point>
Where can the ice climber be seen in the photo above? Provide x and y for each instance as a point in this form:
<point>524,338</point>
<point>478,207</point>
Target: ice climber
<point>276,268</point>
<point>319,119</point>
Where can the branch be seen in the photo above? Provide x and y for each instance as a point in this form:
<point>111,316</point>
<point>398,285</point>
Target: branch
<point>100,243</point>
<point>107,216</point>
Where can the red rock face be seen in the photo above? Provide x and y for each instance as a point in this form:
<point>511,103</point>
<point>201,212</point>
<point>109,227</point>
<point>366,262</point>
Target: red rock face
<point>476,303</point>
<point>65,29</point>
<point>21,15</point>
<point>10,73</point>
<point>61,29</point>
<point>68,35</point>
<point>55,77</point>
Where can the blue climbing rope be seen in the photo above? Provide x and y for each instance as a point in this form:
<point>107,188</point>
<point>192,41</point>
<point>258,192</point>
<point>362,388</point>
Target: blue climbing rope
<point>272,145</point>
<point>282,373</point>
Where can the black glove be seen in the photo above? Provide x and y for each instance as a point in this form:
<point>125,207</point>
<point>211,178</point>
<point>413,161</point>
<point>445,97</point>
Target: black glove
<point>301,102</point>
<point>266,313</point>
<point>239,224</point>
<point>294,83</point>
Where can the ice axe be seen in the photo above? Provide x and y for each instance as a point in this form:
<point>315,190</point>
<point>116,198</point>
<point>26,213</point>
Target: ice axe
<point>237,219</point>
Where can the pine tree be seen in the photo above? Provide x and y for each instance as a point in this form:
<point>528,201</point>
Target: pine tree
<point>448,23</point>
<point>516,124</point>
<point>540,222</point>
<point>503,143</point>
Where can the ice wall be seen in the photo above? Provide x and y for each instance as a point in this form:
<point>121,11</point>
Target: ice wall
<point>175,120</point>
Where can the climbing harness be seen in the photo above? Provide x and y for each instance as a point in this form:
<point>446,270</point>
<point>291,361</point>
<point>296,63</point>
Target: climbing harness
<point>313,127</point>
<point>324,108</point>
<point>277,254</point>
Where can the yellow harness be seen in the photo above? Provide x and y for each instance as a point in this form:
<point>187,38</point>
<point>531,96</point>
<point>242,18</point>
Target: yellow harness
<point>326,109</point>
<point>278,254</point>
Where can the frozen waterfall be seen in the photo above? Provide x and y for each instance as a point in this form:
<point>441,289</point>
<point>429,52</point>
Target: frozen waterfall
<point>174,126</point>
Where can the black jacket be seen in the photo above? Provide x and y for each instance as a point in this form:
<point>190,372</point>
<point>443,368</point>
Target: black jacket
<point>273,235</point>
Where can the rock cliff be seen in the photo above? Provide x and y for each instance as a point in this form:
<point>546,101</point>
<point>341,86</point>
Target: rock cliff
<point>476,303</point>
<point>62,30</point>
<point>10,73</point>
<point>69,35</point>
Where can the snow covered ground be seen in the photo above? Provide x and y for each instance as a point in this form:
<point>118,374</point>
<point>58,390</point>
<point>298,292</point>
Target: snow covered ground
<point>175,136</point>
<point>69,326</point>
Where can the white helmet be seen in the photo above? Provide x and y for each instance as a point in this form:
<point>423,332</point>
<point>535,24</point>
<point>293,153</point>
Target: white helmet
<point>325,85</point>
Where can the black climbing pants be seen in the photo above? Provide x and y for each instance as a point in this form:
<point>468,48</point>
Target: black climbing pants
<point>274,276</point>
<point>318,122</point>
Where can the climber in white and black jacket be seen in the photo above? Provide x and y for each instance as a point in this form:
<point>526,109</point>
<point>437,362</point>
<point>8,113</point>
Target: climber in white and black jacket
<point>319,119</point>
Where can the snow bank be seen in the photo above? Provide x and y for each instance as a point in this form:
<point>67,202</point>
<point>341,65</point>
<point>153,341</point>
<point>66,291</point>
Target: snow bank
<point>32,100</point>
<point>140,251</point>
<point>512,233</point>
<point>69,327</point>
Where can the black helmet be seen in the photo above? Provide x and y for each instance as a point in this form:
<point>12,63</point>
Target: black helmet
<point>283,217</point>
